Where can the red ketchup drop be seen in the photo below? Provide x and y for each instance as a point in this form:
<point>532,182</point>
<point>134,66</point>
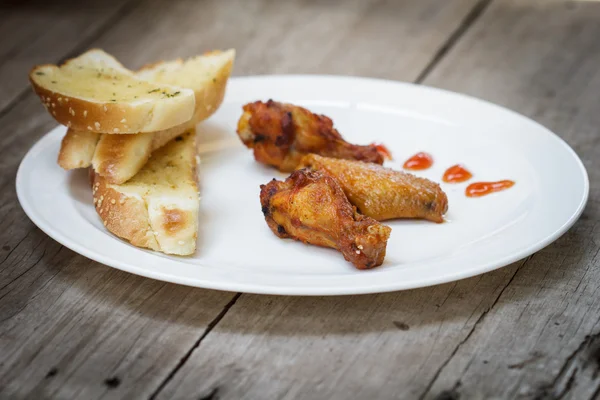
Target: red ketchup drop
<point>479,189</point>
<point>383,150</point>
<point>419,161</point>
<point>456,174</point>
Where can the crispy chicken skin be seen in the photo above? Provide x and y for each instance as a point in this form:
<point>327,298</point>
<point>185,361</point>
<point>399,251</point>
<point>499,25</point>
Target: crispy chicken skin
<point>311,207</point>
<point>280,134</point>
<point>382,193</point>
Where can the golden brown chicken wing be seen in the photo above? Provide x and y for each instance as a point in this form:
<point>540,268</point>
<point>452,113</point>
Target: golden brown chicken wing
<point>311,207</point>
<point>382,193</point>
<point>280,134</point>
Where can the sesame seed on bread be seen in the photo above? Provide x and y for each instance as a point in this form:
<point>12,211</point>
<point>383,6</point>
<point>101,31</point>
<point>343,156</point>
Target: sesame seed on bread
<point>119,157</point>
<point>158,207</point>
<point>95,93</point>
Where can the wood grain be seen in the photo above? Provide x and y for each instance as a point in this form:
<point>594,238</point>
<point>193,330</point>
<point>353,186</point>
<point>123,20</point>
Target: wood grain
<point>73,328</point>
<point>526,331</point>
<point>542,338</point>
<point>369,346</point>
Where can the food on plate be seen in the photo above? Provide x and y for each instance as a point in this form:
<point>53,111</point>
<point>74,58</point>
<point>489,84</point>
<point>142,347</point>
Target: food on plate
<point>419,161</point>
<point>119,157</point>
<point>158,207</point>
<point>137,131</point>
<point>281,134</point>
<point>382,193</point>
<point>311,207</point>
<point>206,75</point>
<point>77,149</point>
<point>95,93</point>
<point>479,189</point>
<point>457,174</point>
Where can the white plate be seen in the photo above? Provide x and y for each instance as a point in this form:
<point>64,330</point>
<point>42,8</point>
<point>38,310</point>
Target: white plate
<point>237,251</point>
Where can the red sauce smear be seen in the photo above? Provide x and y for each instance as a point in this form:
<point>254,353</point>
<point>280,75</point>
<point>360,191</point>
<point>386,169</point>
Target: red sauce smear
<point>479,189</point>
<point>383,150</point>
<point>456,174</point>
<point>419,161</point>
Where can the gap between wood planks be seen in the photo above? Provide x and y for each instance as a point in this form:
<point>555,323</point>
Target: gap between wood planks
<point>454,37</point>
<point>452,40</point>
<point>119,14</point>
<point>187,355</point>
<point>451,393</point>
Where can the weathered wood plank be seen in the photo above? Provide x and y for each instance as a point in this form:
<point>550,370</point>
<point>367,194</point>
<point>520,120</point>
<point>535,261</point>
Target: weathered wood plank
<point>378,38</point>
<point>69,326</point>
<point>542,338</point>
<point>370,346</point>
<point>75,329</point>
<point>36,32</point>
<point>507,334</point>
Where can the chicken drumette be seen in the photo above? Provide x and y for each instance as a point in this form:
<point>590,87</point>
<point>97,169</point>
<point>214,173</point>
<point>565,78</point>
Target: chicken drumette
<point>280,134</point>
<point>382,193</point>
<point>311,207</point>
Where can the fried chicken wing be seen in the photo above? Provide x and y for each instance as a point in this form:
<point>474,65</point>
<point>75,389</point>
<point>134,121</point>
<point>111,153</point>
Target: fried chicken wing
<point>311,207</point>
<point>382,193</point>
<point>280,134</point>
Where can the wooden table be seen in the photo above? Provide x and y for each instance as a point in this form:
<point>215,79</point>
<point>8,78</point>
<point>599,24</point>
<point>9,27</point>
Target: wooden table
<point>73,328</point>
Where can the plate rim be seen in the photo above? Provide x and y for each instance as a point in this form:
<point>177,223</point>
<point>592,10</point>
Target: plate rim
<point>237,286</point>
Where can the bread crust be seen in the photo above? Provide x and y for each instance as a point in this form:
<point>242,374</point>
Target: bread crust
<point>128,217</point>
<point>106,116</point>
<point>125,216</point>
<point>77,149</point>
<point>209,100</point>
<point>165,221</point>
<point>119,158</point>
<point>119,118</point>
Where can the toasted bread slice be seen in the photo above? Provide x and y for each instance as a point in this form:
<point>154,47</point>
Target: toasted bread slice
<point>77,149</point>
<point>206,75</point>
<point>158,207</point>
<point>119,158</point>
<point>95,93</point>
